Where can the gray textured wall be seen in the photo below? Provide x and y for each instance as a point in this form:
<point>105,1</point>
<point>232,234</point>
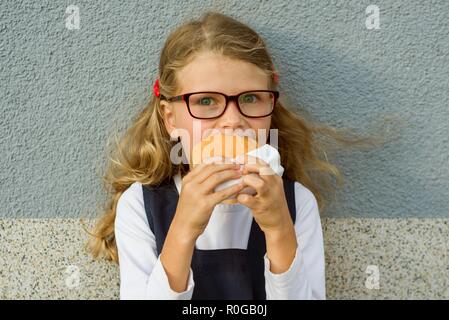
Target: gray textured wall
<point>63,92</point>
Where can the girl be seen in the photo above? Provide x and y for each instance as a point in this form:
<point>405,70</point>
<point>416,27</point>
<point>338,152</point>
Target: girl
<point>165,225</point>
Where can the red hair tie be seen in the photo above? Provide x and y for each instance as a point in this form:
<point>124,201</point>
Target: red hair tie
<point>275,75</point>
<point>156,88</point>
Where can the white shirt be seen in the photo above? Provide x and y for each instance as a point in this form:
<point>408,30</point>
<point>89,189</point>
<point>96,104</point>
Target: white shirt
<point>142,275</point>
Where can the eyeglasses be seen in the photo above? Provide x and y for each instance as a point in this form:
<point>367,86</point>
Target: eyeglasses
<point>211,104</point>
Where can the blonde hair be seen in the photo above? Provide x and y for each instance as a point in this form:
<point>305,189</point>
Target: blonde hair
<point>143,153</point>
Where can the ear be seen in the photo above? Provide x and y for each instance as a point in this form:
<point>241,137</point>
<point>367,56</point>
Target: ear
<point>169,116</point>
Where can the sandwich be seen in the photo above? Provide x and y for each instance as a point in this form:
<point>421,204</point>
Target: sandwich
<point>228,149</point>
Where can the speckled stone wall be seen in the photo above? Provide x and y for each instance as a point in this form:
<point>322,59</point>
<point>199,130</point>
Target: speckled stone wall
<point>43,258</point>
<point>64,91</point>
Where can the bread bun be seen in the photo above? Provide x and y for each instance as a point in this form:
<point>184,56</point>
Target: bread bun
<point>221,145</point>
<point>225,148</point>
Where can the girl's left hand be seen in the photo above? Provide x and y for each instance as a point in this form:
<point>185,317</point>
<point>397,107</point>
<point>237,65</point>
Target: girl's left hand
<point>268,205</point>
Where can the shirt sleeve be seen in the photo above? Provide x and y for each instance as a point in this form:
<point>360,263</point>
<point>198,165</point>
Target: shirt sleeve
<point>142,275</point>
<point>305,278</point>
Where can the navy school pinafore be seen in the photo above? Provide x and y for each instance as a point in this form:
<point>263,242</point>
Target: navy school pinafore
<point>218,274</point>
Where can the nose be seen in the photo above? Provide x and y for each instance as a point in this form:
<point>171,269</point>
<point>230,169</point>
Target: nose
<point>232,118</point>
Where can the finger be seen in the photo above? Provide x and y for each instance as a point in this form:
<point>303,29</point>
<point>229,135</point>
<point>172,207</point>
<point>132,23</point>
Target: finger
<point>261,169</point>
<point>219,177</point>
<point>198,168</point>
<point>194,171</point>
<point>211,168</point>
<point>257,165</point>
<point>255,182</point>
<point>221,195</point>
<point>247,200</point>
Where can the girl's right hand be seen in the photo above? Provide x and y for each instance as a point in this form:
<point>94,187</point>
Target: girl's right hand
<point>198,199</point>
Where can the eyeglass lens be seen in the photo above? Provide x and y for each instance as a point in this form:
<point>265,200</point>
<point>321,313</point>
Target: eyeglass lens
<point>210,105</point>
